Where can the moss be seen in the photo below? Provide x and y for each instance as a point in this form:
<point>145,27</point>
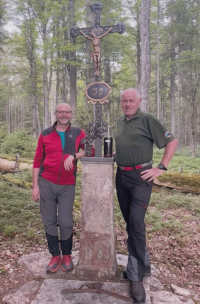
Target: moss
<point>12,158</point>
<point>190,181</point>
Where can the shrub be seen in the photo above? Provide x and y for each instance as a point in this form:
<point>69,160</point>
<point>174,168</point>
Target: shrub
<point>10,231</point>
<point>19,142</point>
<point>3,133</point>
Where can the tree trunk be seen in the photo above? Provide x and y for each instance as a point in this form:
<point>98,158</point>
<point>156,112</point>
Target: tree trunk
<point>45,80</point>
<point>7,166</point>
<point>158,64</point>
<point>107,77</point>
<point>8,115</point>
<point>145,54</point>
<point>88,72</point>
<point>179,113</point>
<point>194,87</point>
<point>172,92</point>
<point>64,79</point>
<point>72,69</point>
<point>138,40</point>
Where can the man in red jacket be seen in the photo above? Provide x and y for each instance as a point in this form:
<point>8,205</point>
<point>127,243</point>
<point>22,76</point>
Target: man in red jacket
<point>54,177</point>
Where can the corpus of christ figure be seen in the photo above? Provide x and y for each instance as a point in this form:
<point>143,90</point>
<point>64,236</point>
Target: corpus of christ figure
<point>96,51</point>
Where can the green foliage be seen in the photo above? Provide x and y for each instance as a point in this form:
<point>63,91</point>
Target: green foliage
<point>19,215</point>
<point>3,271</point>
<point>169,199</point>
<point>3,133</point>
<point>30,234</point>
<point>189,164</point>
<point>2,22</point>
<point>10,231</point>
<point>19,142</point>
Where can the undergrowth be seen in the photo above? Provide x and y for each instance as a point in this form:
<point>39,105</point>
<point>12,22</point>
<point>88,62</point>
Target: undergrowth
<point>168,209</point>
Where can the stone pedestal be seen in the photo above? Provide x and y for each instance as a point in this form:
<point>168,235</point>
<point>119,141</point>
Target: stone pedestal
<point>97,255</point>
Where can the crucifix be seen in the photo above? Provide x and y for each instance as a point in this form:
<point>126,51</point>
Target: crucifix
<point>97,91</point>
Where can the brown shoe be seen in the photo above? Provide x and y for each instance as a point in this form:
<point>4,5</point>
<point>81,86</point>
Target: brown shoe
<point>54,264</point>
<point>67,264</point>
<point>137,292</point>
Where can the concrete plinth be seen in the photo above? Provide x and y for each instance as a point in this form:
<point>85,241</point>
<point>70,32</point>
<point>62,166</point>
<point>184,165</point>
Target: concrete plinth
<point>97,240</point>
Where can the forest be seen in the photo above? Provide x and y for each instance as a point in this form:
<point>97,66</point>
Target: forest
<point>41,65</point>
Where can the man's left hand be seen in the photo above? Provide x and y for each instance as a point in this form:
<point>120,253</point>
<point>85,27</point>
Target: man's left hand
<point>150,174</point>
<point>68,164</point>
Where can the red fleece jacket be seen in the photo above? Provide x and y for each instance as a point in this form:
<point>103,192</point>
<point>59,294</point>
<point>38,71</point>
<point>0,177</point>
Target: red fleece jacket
<point>50,155</point>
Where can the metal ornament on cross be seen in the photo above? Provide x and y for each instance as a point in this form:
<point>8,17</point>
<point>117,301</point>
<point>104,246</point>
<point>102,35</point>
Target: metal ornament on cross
<point>96,92</point>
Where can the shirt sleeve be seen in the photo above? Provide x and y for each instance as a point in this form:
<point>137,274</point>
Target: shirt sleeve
<point>39,153</point>
<point>160,135</point>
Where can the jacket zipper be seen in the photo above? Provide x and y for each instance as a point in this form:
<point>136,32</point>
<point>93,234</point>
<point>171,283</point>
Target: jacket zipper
<point>60,168</point>
<point>61,162</point>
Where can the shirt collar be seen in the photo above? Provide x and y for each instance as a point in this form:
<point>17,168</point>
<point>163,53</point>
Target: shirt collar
<point>136,115</point>
<point>55,123</point>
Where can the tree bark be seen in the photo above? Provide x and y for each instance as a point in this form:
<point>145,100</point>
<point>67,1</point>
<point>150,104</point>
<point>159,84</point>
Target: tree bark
<point>145,54</point>
<point>107,77</point>
<point>138,41</point>
<point>172,92</point>
<point>8,115</point>
<point>88,72</point>
<point>158,63</point>
<point>72,69</point>
<point>45,79</point>
<point>7,166</point>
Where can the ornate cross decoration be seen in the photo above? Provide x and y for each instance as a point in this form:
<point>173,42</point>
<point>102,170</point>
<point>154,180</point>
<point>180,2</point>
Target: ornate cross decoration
<point>97,128</point>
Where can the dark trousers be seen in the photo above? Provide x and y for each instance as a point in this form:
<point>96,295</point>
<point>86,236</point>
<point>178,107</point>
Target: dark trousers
<point>133,195</point>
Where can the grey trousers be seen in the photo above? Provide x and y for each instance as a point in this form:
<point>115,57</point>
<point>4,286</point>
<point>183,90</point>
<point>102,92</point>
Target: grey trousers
<point>56,206</point>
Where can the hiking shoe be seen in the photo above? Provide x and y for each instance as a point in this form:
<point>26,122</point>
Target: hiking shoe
<point>137,292</point>
<point>54,264</point>
<point>146,274</point>
<point>67,264</point>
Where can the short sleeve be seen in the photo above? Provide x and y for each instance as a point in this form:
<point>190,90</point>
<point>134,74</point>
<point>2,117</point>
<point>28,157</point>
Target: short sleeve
<point>160,135</point>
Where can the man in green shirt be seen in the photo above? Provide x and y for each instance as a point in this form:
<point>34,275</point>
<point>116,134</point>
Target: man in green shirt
<point>137,131</point>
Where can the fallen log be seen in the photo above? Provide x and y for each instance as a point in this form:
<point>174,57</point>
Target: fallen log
<point>8,166</point>
<point>187,180</point>
<point>183,189</point>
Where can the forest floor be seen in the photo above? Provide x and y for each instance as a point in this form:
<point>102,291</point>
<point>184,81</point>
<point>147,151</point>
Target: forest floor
<point>177,258</point>
<point>173,234</point>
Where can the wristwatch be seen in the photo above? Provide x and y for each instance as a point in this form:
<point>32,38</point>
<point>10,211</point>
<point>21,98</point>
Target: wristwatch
<point>74,155</point>
<point>162,167</point>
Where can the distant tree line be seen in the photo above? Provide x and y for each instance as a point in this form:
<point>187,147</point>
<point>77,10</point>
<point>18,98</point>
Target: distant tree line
<point>41,65</point>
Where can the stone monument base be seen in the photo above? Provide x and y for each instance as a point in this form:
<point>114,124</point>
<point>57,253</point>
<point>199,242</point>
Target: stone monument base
<point>97,256</point>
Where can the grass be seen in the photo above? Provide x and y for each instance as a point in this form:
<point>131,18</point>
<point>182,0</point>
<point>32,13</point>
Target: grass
<point>172,221</point>
<point>189,164</point>
<point>168,209</point>
<point>19,215</point>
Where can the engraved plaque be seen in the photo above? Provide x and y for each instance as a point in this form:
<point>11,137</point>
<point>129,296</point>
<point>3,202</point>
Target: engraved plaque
<point>98,92</point>
<point>97,251</point>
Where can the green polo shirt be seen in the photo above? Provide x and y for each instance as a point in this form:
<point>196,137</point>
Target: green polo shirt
<point>135,138</point>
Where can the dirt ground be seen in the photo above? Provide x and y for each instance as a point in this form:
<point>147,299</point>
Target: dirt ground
<point>178,265</point>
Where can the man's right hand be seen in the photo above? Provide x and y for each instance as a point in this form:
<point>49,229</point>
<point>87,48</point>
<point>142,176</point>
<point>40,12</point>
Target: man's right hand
<point>36,194</point>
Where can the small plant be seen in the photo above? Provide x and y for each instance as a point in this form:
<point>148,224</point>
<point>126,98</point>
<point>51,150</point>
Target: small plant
<point>10,231</point>
<point>31,235</point>
<point>3,271</point>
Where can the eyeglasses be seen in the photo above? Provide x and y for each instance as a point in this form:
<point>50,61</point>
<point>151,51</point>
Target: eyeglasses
<point>64,112</point>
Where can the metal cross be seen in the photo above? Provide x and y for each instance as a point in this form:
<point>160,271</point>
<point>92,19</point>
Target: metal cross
<point>97,127</point>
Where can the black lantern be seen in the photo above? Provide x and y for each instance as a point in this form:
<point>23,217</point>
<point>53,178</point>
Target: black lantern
<point>108,146</point>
